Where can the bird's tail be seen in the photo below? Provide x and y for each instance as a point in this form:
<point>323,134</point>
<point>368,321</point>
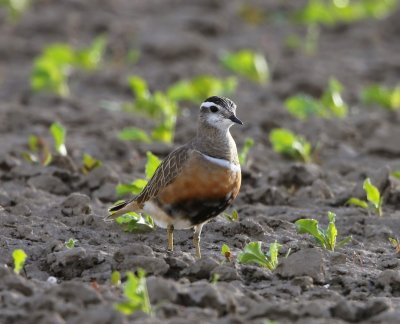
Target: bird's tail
<point>123,208</point>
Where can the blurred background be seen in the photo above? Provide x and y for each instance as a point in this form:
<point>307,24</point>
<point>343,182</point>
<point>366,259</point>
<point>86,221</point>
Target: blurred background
<point>136,68</point>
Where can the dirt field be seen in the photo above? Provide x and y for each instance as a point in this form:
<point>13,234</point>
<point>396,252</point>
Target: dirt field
<point>42,207</point>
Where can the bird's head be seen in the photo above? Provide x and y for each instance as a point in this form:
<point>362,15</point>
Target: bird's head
<point>219,112</point>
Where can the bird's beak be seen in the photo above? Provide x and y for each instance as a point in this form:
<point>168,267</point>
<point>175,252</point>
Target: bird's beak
<point>236,120</point>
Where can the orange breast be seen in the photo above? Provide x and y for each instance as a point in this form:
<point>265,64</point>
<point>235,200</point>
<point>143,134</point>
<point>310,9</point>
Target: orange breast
<point>201,180</point>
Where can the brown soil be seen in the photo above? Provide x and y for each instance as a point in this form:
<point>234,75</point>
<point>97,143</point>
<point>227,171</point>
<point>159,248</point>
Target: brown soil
<point>42,207</point>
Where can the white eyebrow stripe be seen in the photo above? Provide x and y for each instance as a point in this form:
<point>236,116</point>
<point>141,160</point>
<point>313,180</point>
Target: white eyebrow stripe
<point>210,104</point>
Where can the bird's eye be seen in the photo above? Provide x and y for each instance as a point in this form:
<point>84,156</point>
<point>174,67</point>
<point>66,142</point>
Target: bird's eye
<point>213,109</point>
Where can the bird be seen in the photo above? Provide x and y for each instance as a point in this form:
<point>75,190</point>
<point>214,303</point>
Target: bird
<point>196,181</point>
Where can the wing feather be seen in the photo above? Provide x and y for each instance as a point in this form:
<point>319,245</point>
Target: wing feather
<point>165,174</point>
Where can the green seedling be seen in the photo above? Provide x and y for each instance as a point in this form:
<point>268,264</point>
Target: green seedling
<point>395,243</point>
<point>252,253</point>
<point>136,223</point>
<point>137,186</point>
<point>226,252</point>
<point>90,58</point>
<point>325,238</point>
<point>40,149</point>
<point>157,106</point>
<point>52,68</point>
<point>116,278</point>
<point>200,87</point>
<point>249,64</point>
<point>232,217</point>
<point>329,105</point>
<point>290,145</point>
<point>136,295</point>
<point>15,8</point>
<point>70,244</point>
<point>19,257</point>
<point>134,134</point>
<point>374,199</point>
<point>334,12</point>
<point>383,96</point>
<point>89,163</point>
<point>248,144</point>
<point>59,132</point>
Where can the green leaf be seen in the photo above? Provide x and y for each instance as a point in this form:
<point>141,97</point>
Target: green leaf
<point>134,188</point>
<point>287,143</point>
<point>90,58</point>
<point>19,257</point>
<point>343,242</point>
<point>135,292</point>
<point>248,144</point>
<point>90,163</point>
<point>373,195</point>
<point>273,255</point>
<point>59,132</point>
<point>357,202</point>
<point>334,12</point>
<point>135,223</point>
<point>386,97</point>
<point>329,105</point>
<point>133,134</point>
<point>33,143</point>
<point>331,232</point>
<point>152,164</point>
<point>303,106</point>
<point>70,244</point>
<point>200,87</point>
<point>332,99</point>
<point>310,226</point>
<point>225,249</point>
<point>252,253</point>
<point>139,88</point>
<point>233,217</point>
<point>249,64</point>
<point>116,278</point>
<point>48,76</point>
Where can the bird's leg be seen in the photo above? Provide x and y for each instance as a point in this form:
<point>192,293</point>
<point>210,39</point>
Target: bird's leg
<point>196,239</point>
<point>170,233</point>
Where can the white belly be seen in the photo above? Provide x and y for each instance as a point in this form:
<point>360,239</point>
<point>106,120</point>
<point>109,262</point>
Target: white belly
<point>161,219</point>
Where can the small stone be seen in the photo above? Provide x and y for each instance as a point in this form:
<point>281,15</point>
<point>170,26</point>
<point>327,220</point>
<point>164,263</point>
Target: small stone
<point>294,265</point>
<point>304,282</point>
<point>390,280</point>
<point>201,269</point>
<point>300,175</point>
<point>133,249</point>
<point>52,280</point>
<point>225,273</point>
<point>161,290</point>
<point>76,204</point>
<point>346,310</point>
<point>49,183</point>
<point>150,264</point>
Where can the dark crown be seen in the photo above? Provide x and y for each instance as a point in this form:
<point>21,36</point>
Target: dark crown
<point>221,101</point>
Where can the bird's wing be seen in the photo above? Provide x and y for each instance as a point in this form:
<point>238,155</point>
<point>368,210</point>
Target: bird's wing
<point>165,174</point>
